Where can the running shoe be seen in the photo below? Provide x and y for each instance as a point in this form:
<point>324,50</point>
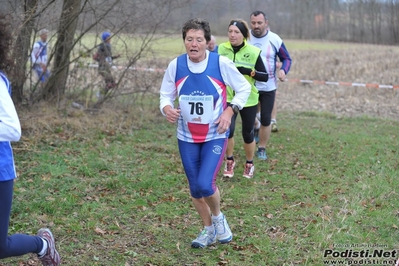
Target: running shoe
<point>249,170</point>
<point>51,258</point>
<point>256,135</point>
<point>204,239</point>
<point>229,168</point>
<point>261,153</point>
<point>223,232</point>
<point>274,127</point>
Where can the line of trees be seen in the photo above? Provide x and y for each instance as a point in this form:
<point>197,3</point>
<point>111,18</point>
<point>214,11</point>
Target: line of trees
<point>367,21</point>
<point>69,21</point>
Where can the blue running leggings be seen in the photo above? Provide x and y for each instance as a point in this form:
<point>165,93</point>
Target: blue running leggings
<point>43,76</point>
<point>201,162</point>
<point>18,244</point>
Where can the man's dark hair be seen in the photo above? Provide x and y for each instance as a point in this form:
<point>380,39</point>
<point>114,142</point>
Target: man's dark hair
<point>197,24</point>
<point>257,13</point>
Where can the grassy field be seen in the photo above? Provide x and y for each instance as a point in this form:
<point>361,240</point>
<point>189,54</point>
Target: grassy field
<point>162,47</point>
<point>111,187</point>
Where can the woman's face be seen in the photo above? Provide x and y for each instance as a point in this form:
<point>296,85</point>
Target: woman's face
<point>196,45</point>
<point>235,36</point>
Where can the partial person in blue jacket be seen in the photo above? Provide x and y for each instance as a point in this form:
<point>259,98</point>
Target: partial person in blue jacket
<point>212,46</point>
<point>43,244</point>
<point>105,62</point>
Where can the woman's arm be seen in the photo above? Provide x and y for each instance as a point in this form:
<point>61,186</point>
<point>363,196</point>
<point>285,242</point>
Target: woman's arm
<point>260,70</point>
<point>259,73</point>
<point>236,81</point>
<point>10,128</point>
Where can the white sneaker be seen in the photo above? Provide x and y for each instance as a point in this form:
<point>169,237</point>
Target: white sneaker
<point>205,238</point>
<point>229,168</point>
<point>274,127</point>
<point>51,258</point>
<point>223,232</point>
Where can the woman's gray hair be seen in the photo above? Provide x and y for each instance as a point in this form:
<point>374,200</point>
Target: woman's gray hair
<point>197,24</point>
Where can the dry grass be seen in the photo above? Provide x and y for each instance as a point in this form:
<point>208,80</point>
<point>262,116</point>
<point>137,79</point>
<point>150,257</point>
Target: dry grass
<point>354,63</point>
<point>358,64</point>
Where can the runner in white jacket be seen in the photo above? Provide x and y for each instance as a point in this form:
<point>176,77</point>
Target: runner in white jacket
<point>43,243</point>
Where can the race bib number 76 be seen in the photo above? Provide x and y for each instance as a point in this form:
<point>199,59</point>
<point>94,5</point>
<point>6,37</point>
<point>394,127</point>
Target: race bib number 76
<point>196,109</point>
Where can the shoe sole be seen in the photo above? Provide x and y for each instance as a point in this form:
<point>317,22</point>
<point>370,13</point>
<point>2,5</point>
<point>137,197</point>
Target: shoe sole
<point>246,176</point>
<point>225,241</point>
<point>199,245</point>
<point>228,175</point>
<point>261,158</point>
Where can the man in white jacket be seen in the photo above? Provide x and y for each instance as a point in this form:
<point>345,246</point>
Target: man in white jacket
<point>273,48</point>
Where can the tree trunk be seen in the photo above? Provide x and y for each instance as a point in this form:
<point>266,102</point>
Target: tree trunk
<point>394,19</point>
<point>21,50</point>
<point>55,87</point>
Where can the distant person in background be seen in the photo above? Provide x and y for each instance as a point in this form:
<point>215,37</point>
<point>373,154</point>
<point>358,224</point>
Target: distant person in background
<point>272,47</point>
<point>43,243</point>
<point>199,80</point>
<point>105,61</point>
<point>212,46</point>
<point>248,61</point>
<point>39,56</point>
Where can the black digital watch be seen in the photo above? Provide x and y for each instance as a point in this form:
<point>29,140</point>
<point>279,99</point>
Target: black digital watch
<point>234,107</point>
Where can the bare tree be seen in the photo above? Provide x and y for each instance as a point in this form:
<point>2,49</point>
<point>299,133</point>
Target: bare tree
<point>22,48</point>
<point>77,19</point>
<point>55,87</point>
<point>394,20</point>
<point>74,22</point>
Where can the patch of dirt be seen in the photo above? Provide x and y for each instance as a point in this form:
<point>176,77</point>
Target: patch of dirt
<point>360,64</point>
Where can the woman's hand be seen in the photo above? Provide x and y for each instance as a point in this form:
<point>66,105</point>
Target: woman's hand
<point>224,120</point>
<point>245,70</point>
<point>171,113</point>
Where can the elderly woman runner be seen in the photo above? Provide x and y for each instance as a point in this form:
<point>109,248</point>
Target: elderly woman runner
<point>199,80</point>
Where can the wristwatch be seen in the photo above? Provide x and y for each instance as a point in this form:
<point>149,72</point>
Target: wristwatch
<point>234,107</point>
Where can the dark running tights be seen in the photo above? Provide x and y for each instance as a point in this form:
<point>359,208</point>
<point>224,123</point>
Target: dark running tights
<point>266,99</point>
<point>248,115</point>
<point>17,244</point>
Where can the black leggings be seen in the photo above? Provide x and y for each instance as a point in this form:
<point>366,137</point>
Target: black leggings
<point>266,100</point>
<point>248,115</point>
